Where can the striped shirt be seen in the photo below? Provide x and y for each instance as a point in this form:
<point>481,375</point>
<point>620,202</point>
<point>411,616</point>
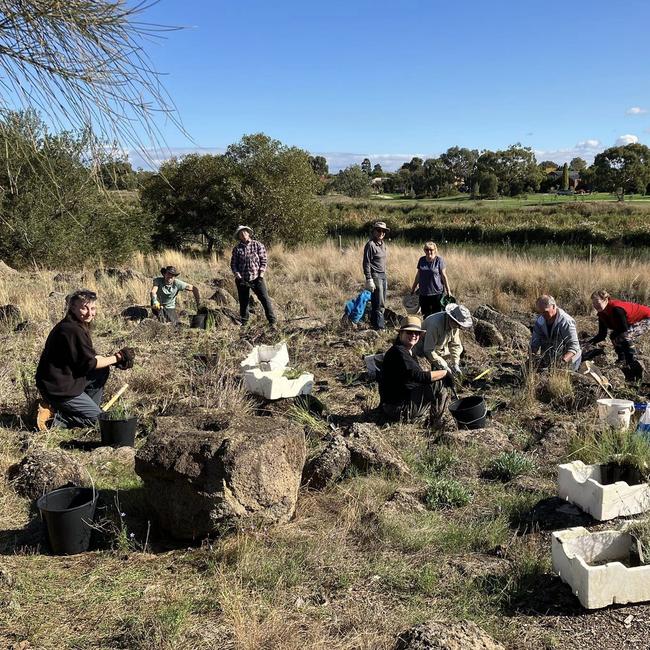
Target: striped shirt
<point>249,259</point>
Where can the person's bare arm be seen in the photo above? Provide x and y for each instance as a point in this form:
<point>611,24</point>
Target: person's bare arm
<point>445,281</point>
<point>415,282</point>
<point>436,375</point>
<point>104,362</point>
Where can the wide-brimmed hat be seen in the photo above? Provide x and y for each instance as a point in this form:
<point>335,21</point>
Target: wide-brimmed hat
<point>169,269</point>
<point>460,314</point>
<point>380,225</point>
<point>240,228</point>
<point>411,324</point>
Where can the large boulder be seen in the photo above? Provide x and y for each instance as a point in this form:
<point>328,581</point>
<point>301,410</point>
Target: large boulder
<point>328,466</point>
<point>222,297</point>
<point>44,470</point>
<point>204,473</point>
<point>437,635</point>
<point>515,334</point>
<point>487,334</point>
<point>361,446</point>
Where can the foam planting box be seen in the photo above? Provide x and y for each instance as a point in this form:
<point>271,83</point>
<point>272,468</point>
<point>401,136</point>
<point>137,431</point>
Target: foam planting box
<point>582,485</point>
<point>594,566</point>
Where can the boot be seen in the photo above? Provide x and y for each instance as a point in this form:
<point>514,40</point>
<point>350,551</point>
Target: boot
<point>44,416</point>
<point>635,371</point>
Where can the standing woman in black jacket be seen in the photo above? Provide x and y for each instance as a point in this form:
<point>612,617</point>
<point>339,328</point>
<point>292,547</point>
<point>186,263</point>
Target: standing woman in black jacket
<point>404,387</point>
<point>70,374</point>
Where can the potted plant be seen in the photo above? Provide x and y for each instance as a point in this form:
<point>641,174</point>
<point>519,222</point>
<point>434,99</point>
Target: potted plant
<point>117,426</point>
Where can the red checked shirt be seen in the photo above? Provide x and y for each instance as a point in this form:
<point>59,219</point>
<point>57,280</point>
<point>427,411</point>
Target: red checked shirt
<point>249,259</point>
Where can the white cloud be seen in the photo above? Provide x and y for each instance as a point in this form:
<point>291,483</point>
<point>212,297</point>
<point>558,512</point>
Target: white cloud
<point>585,149</point>
<point>588,144</point>
<point>636,110</point>
<point>626,139</point>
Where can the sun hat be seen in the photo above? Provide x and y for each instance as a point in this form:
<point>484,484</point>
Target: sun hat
<point>380,225</point>
<point>169,269</point>
<point>411,324</point>
<point>240,228</point>
<point>460,314</point>
<point>411,304</point>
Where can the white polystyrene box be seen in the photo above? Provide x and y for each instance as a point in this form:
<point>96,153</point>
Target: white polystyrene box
<point>580,484</point>
<point>267,357</point>
<point>592,565</point>
<point>272,384</point>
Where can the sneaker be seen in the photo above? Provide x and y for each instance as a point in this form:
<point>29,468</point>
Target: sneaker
<point>44,416</point>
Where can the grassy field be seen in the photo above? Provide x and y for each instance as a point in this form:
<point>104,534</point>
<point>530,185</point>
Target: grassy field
<point>350,570</point>
<point>559,221</point>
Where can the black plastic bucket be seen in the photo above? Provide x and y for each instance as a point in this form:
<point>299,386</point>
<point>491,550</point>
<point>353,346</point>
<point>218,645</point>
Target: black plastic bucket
<point>117,433</point>
<point>68,514</point>
<point>198,321</point>
<point>469,412</point>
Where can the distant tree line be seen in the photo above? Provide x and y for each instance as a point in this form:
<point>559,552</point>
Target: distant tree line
<point>489,174</point>
<point>60,205</point>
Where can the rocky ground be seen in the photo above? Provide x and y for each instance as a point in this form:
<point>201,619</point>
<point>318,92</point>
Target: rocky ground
<point>397,536</point>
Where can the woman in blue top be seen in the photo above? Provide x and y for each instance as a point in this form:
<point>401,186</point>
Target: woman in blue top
<point>431,278</point>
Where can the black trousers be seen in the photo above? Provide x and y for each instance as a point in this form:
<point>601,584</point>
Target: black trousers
<point>258,287</point>
<point>430,304</point>
<point>421,398</point>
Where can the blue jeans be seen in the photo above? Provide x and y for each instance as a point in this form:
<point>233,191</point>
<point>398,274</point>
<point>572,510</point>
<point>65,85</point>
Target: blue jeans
<point>83,410</point>
<point>378,300</point>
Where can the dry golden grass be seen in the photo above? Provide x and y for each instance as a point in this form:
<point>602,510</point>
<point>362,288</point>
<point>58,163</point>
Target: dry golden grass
<point>344,573</point>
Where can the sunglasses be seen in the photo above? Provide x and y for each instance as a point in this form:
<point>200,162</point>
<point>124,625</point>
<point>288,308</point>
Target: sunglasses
<point>427,250</point>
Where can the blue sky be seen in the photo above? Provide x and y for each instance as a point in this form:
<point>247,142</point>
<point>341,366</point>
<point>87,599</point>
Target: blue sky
<point>390,80</point>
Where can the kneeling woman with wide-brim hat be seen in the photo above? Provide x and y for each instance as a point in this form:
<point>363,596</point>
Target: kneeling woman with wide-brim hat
<point>405,389</point>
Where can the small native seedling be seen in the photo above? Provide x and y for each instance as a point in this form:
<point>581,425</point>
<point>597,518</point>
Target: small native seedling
<point>640,531</point>
<point>292,373</point>
<point>445,492</point>
<point>509,465</point>
<point>119,411</point>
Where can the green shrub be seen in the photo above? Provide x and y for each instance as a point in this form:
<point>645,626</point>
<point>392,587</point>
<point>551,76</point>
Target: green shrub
<point>445,492</point>
<point>509,465</point>
<point>610,445</point>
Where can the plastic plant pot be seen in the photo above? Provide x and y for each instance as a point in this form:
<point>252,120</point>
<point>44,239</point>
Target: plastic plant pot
<point>117,433</point>
<point>469,412</point>
<point>68,513</point>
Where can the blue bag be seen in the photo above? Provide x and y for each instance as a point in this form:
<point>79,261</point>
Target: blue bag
<point>356,308</point>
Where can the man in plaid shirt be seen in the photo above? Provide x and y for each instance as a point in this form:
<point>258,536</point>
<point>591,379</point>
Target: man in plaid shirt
<point>248,264</point>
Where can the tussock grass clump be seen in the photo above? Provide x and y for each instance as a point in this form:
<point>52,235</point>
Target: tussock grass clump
<point>445,492</point>
<point>601,446</point>
<point>508,465</point>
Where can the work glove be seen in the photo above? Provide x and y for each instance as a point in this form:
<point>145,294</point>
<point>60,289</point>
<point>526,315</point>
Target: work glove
<point>125,358</point>
<point>370,284</point>
<point>155,307</point>
<point>455,369</point>
<point>448,379</point>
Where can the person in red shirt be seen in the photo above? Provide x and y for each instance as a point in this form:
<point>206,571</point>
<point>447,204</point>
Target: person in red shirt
<point>627,321</point>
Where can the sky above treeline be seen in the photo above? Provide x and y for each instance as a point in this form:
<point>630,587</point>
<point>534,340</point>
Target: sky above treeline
<point>392,80</point>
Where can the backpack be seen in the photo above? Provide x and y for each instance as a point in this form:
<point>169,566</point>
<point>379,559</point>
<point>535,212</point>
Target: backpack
<point>356,308</point>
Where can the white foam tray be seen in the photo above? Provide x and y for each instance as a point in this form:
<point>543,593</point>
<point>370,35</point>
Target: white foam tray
<point>580,484</point>
<point>576,550</point>
<point>272,384</point>
<point>267,357</point>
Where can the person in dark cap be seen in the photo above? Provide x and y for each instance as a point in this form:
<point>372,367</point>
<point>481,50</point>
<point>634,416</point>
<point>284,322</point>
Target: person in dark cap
<point>248,264</point>
<point>164,291</point>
